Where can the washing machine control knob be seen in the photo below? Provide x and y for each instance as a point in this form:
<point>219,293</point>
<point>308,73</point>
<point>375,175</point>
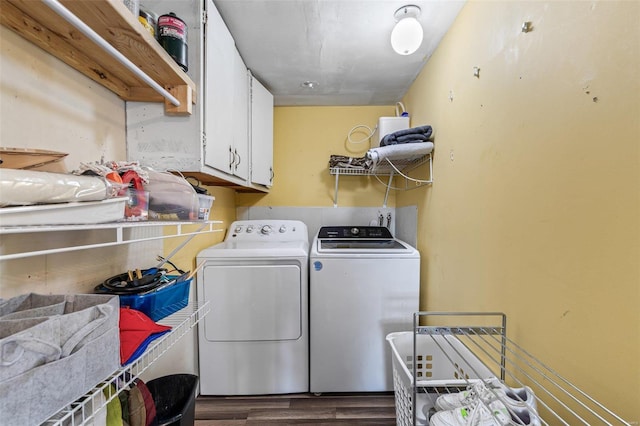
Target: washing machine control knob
<point>266,230</point>
<point>249,229</point>
<point>355,231</point>
<point>282,229</point>
<point>238,229</point>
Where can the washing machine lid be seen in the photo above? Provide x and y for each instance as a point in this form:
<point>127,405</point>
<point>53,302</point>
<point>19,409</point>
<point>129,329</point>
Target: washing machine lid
<point>324,245</point>
<point>358,240</point>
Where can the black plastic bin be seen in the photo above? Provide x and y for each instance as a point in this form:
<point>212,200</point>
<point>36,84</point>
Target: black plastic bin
<point>175,399</point>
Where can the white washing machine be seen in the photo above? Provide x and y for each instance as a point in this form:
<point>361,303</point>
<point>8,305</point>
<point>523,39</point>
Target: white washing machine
<point>255,338</point>
<point>363,285</point>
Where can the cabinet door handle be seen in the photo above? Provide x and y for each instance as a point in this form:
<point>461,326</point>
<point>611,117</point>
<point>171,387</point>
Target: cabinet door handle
<point>272,174</point>
<point>232,158</point>
<point>235,154</point>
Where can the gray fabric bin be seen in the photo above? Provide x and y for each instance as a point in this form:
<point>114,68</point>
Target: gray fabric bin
<point>34,396</point>
<point>46,363</point>
<point>25,345</point>
<point>32,305</point>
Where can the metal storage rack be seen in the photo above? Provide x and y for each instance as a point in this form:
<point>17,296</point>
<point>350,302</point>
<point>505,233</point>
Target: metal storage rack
<point>386,168</point>
<point>469,350</point>
<point>84,409</point>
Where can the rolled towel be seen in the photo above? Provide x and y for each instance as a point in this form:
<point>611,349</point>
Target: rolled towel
<point>414,134</point>
<point>26,187</point>
<point>399,152</point>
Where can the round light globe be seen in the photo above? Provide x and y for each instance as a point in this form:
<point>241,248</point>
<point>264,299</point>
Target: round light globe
<point>406,36</point>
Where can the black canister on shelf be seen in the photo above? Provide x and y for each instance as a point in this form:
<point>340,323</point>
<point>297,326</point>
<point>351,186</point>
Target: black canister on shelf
<point>172,35</point>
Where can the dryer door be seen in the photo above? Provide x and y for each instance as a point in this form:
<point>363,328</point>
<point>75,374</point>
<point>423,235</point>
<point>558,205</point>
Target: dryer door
<point>253,302</point>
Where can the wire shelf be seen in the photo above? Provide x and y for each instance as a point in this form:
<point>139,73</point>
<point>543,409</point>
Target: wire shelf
<point>121,234</point>
<point>387,168</point>
<point>84,409</point>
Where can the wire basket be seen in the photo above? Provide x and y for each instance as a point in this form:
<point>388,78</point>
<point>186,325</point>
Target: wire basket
<point>440,362</point>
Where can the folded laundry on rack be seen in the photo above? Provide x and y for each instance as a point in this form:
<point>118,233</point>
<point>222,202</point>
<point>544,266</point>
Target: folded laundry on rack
<point>137,331</point>
<point>412,135</point>
<point>345,162</point>
<point>398,152</point>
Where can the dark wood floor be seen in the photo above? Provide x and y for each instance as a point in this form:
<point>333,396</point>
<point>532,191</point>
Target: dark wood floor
<point>371,409</point>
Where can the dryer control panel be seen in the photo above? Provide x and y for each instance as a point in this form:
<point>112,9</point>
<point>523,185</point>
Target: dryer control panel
<point>267,230</point>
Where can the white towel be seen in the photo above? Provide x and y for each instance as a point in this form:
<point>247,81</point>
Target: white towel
<point>409,151</point>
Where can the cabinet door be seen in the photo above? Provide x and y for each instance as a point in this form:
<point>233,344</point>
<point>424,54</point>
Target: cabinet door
<point>240,120</point>
<point>220,54</point>
<point>261,134</point>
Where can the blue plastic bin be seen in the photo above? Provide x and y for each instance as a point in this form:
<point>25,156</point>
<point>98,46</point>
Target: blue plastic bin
<point>162,303</point>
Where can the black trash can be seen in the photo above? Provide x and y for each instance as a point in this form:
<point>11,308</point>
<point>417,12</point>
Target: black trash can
<point>175,399</point>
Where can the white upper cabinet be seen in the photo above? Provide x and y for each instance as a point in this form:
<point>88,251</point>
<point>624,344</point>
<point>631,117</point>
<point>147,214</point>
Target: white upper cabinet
<point>261,134</point>
<point>226,113</point>
<point>214,143</point>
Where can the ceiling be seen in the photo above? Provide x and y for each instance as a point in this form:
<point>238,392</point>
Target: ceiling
<point>342,45</point>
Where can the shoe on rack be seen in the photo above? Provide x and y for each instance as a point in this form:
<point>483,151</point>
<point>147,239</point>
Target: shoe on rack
<point>489,390</point>
<point>480,414</point>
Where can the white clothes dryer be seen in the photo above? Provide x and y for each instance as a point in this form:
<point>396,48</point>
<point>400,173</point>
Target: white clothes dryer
<point>255,338</point>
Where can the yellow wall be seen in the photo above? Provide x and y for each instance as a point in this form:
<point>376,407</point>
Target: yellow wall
<point>535,209</point>
<point>224,210</point>
<point>304,140</point>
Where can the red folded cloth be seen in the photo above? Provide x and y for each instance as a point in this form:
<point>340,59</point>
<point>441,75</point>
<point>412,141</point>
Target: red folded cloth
<point>136,329</point>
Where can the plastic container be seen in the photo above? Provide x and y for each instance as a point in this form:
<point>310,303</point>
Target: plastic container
<point>176,206</point>
<point>137,207</point>
<point>388,125</point>
<point>205,202</point>
<point>175,399</point>
<point>441,361</point>
<point>162,303</point>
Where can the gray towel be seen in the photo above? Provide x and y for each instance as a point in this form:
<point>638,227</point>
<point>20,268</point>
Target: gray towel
<point>414,134</point>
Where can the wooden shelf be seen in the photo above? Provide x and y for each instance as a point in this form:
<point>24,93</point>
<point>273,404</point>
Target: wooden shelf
<point>112,21</point>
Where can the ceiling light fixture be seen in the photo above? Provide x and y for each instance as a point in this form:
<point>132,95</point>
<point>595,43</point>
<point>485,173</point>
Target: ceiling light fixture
<point>407,34</point>
<point>309,84</point>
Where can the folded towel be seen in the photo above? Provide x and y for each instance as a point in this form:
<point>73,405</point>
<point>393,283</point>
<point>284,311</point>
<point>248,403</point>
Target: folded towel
<point>414,134</point>
<point>345,162</point>
<point>398,152</point>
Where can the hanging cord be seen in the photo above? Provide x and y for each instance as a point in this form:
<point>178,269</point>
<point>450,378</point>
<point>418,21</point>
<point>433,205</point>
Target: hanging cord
<point>363,140</point>
<point>162,259</point>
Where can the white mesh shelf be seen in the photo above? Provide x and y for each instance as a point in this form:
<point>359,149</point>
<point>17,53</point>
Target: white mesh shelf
<point>386,168</point>
<point>121,233</point>
<point>83,410</point>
